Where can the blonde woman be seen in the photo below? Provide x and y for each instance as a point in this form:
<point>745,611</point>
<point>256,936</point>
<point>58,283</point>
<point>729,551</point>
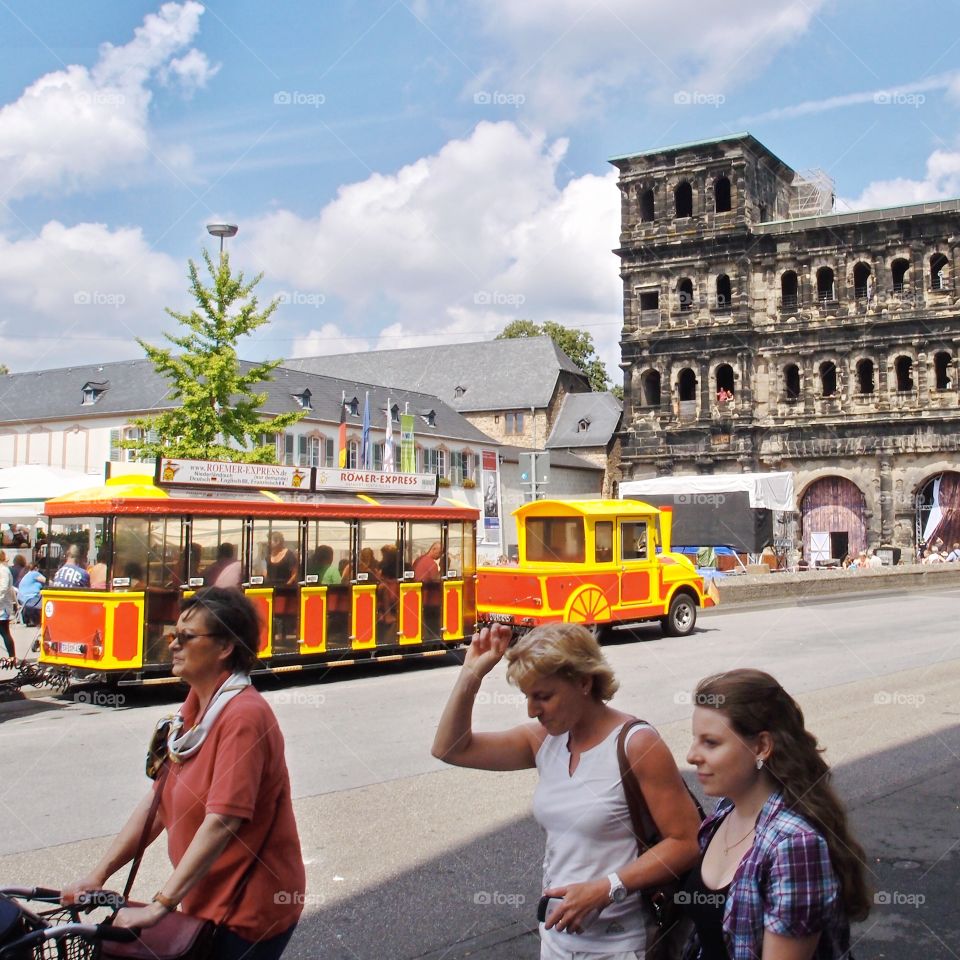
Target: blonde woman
<point>591,870</point>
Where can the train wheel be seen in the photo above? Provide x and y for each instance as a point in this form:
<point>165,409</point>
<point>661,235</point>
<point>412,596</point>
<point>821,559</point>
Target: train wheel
<point>590,607</point>
<point>681,618</point>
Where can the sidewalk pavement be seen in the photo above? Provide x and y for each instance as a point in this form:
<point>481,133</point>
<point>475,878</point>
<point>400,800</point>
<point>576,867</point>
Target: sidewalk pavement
<point>912,839</point>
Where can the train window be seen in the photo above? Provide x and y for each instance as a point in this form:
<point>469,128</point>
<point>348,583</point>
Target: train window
<point>423,557</point>
<point>633,540</point>
<point>603,541</point>
<point>149,552</point>
<point>379,551</point>
<point>555,540</point>
<point>216,554</point>
<point>328,551</point>
<point>457,534</point>
<point>276,546</point>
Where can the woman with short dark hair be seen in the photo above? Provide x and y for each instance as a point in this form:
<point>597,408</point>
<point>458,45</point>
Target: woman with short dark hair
<point>225,800</point>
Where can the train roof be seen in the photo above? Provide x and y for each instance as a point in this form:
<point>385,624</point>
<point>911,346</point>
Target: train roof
<point>586,508</point>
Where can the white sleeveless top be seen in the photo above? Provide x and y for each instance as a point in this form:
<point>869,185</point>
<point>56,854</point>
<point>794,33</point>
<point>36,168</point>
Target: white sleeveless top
<point>589,835</point>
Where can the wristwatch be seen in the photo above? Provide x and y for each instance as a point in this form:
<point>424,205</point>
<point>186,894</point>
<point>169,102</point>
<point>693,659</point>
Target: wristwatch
<point>618,892</point>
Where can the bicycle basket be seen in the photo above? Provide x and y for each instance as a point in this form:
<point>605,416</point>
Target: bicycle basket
<point>22,923</point>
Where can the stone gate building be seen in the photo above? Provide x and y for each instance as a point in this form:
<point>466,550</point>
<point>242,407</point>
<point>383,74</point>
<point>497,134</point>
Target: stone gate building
<point>764,331</point>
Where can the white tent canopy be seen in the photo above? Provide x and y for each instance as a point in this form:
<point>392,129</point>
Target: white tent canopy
<point>772,491</point>
<point>24,490</point>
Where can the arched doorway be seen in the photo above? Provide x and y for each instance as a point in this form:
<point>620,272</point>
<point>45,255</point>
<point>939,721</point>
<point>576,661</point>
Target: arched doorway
<point>938,510</point>
<point>833,512</point>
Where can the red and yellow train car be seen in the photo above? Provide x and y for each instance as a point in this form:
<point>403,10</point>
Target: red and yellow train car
<point>353,584</point>
<point>597,562</point>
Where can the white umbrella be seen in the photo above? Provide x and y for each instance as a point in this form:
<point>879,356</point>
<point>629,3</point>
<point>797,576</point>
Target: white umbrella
<point>24,490</point>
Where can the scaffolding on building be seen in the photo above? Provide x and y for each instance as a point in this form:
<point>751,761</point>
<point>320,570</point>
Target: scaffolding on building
<point>813,194</point>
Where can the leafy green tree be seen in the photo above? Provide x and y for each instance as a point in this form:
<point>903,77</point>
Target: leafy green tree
<point>576,344</point>
<point>4,369</point>
<point>217,399</point>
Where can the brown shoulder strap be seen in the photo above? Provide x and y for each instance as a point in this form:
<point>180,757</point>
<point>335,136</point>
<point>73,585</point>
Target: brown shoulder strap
<point>644,829</point>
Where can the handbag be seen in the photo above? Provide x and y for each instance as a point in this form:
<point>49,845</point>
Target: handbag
<point>671,928</point>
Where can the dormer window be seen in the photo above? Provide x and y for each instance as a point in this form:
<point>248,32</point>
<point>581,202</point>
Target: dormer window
<point>305,399</point>
<point>395,414</point>
<point>92,392</point>
<point>353,407</point>
<point>583,425</point>
<point>459,392</point>
<point>429,417</point>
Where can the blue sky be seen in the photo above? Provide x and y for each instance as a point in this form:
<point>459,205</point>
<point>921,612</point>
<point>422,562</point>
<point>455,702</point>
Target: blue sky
<point>409,173</point>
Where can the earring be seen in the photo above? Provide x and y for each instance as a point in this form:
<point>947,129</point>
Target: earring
<point>759,763</point>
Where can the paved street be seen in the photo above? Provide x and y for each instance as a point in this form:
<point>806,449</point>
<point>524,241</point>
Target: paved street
<point>410,859</point>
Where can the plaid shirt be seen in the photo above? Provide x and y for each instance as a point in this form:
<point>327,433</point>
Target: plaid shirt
<point>784,884</point>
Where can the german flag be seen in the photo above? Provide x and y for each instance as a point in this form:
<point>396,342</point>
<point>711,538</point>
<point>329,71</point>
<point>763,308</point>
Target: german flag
<point>342,460</point>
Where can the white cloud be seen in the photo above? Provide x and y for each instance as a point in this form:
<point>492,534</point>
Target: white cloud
<point>191,72</point>
<point>75,294</point>
<point>454,246</point>
<point>941,182</point>
<point>565,57</point>
<point>73,127</point>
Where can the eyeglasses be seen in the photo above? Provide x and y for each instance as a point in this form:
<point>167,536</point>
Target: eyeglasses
<point>184,638</point>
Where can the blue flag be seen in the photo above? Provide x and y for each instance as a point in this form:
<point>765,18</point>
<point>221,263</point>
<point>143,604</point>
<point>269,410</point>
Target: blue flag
<point>366,451</point>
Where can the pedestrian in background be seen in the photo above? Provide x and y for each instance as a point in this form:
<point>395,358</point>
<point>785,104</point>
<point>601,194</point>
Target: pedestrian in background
<point>7,596</point>
<point>780,875</point>
<point>591,867</point>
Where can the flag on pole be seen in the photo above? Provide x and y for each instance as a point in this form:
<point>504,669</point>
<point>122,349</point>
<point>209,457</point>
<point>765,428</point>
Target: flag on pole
<point>366,450</point>
<point>408,452</point>
<point>342,437</point>
<point>388,443</point>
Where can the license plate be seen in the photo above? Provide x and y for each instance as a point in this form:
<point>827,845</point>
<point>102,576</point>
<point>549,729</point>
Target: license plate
<point>499,617</point>
<point>71,648</point>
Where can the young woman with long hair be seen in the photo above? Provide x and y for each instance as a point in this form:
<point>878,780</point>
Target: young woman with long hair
<point>780,875</point>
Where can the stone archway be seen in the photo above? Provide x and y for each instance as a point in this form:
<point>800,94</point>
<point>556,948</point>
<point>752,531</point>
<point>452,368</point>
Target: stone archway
<point>833,514</point>
<point>938,510</point>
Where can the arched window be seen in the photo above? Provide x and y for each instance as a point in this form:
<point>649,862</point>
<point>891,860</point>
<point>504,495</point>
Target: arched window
<point>861,281</point>
<point>724,383</point>
<point>683,200</point>
<point>899,269</point>
<point>687,385</point>
<point>789,299</point>
<point>650,386</point>
<point>791,381</point>
<point>903,366</point>
<point>941,369</point>
<point>724,297</point>
<point>826,289</point>
<point>865,380</point>
<point>647,209</point>
<point>828,378</point>
<point>938,272</point>
<point>721,195</point>
<point>685,293</point>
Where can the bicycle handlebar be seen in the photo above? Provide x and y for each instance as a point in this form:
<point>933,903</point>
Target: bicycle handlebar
<point>32,893</point>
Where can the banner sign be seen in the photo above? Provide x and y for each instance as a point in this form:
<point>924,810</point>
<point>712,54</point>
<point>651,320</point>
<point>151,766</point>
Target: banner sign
<point>408,452</point>
<point>214,473</point>
<point>490,484</point>
<point>373,482</point>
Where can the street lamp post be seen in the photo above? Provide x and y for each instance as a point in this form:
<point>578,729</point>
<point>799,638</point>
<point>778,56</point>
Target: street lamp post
<point>222,230</point>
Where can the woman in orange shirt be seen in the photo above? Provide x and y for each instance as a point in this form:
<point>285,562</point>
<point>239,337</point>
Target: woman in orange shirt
<point>225,802</point>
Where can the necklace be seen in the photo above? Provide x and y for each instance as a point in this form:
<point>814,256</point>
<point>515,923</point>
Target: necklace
<point>726,824</point>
